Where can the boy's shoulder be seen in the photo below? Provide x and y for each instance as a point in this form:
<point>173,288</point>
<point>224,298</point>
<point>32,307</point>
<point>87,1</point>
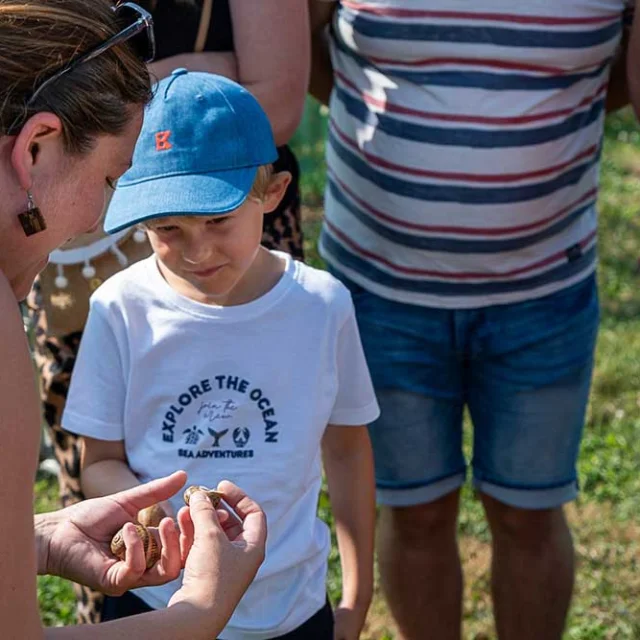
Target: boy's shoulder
<point>126,285</point>
<point>321,286</point>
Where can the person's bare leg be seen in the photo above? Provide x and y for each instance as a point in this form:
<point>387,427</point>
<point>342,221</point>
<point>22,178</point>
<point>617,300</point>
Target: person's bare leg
<point>532,571</point>
<point>420,568</point>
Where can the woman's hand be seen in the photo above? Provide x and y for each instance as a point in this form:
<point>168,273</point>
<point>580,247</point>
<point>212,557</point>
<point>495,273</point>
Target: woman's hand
<point>74,542</point>
<point>224,552</point>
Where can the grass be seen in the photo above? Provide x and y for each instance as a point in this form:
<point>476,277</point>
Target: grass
<point>605,519</point>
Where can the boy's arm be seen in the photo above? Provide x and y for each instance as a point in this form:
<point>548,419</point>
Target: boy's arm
<point>321,80</point>
<point>104,468</point>
<point>348,463</point>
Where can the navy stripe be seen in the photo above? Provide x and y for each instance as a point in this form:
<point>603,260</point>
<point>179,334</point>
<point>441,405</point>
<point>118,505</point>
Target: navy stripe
<point>465,137</point>
<point>479,79</point>
<point>457,193</point>
<point>494,81</point>
<point>452,245</point>
<point>544,38</point>
<point>345,258</point>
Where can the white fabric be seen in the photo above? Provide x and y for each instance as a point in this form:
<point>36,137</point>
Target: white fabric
<point>173,378</point>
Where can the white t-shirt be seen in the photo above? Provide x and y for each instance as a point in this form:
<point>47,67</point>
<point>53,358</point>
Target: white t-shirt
<point>241,393</point>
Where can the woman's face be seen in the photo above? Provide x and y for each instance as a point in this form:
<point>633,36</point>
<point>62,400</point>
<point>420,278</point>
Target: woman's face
<point>71,196</point>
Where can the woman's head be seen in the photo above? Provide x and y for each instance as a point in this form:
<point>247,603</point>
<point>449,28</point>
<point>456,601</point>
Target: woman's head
<point>68,140</point>
<point>37,38</point>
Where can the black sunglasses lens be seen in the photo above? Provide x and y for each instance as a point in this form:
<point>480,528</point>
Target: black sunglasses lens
<point>143,42</point>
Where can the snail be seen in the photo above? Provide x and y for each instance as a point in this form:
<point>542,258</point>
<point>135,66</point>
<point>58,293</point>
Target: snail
<point>151,517</point>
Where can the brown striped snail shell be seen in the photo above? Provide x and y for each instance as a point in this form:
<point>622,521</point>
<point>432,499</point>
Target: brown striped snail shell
<point>214,496</point>
<point>151,516</point>
<point>151,550</point>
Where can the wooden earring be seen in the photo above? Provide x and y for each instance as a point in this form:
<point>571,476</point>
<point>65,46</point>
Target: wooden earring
<point>32,220</point>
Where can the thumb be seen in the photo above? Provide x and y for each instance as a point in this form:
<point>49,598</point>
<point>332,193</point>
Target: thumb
<point>203,514</point>
<point>144,495</point>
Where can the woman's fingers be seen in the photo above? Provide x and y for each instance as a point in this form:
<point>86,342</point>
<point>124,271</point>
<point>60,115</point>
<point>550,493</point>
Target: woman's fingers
<point>253,529</point>
<point>134,558</point>
<point>237,499</point>
<point>170,558</point>
<point>203,514</point>
<point>185,524</point>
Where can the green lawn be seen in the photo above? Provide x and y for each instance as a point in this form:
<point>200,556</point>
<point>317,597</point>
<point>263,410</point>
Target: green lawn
<point>606,522</point>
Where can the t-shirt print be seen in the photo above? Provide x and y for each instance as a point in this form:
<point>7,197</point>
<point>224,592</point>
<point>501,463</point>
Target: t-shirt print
<point>225,416</point>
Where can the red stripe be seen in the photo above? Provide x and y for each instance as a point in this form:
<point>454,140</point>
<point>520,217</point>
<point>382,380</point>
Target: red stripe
<point>482,62</point>
<point>486,178</point>
<point>467,15</point>
<point>443,275</point>
<point>391,107</point>
<point>469,231</point>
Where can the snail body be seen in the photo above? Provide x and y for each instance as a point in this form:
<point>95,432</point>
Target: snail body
<point>151,517</point>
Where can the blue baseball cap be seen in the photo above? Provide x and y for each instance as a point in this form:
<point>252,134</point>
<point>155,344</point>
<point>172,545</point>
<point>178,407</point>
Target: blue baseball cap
<point>202,141</point>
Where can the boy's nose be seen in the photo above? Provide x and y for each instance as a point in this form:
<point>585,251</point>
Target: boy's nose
<point>197,250</point>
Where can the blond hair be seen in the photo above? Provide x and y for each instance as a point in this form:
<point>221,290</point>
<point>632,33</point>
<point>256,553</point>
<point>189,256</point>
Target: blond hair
<point>261,182</point>
<point>38,37</point>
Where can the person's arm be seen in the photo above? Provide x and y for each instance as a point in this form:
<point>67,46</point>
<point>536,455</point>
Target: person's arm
<point>348,463</point>
<point>221,560</point>
<point>633,63</point>
<point>104,468</point>
<point>271,59</point>
<point>618,87</point>
<point>222,63</point>
<point>19,443</point>
<point>321,78</point>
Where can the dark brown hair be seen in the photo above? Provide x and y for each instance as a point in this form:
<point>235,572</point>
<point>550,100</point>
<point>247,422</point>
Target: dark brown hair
<point>37,37</point>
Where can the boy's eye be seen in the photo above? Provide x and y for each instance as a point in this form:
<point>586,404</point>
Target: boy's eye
<point>166,228</point>
<point>218,220</point>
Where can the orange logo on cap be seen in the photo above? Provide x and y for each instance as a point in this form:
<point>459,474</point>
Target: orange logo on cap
<point>162,141</point>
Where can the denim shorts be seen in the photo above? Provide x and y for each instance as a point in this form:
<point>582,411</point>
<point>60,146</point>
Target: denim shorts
<point>523,370</point>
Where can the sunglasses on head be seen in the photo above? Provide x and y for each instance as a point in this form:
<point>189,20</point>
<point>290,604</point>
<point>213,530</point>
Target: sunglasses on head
<point>136,30</point>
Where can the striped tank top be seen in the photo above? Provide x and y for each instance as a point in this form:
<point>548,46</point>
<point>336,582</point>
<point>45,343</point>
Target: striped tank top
<point>464,145</point>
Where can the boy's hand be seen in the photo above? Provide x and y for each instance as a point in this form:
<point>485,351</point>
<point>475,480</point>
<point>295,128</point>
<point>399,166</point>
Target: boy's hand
<point>349,621</point>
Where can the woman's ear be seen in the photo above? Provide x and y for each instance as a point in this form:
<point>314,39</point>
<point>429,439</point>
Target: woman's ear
<point>275,191</point>
<point>32,145</point>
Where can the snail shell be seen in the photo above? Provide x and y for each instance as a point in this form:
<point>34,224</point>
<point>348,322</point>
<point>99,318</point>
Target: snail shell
<point>151,550</point>
<point>151,516</point>
<point>214,496</point>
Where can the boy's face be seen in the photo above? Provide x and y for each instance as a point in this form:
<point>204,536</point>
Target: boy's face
<point>211,259</point>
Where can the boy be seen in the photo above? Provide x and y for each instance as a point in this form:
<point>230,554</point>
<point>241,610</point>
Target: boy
<point>182,363</point>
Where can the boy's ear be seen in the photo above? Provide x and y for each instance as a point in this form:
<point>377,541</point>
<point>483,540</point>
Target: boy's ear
<point>275,191</point>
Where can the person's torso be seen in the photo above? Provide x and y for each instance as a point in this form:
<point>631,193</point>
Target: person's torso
<point>176,24</point>
<point>246,398</point>
<point>464,144</point>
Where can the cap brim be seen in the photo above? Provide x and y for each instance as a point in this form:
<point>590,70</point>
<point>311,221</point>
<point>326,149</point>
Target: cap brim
<point>178,195</point>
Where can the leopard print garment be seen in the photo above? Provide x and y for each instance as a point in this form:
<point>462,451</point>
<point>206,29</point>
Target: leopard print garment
<point>55,358</point>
